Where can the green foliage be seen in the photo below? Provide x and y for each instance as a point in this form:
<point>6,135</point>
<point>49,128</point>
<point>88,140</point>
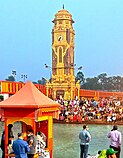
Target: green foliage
<point>34,82</point>
<point>103,82</point>
<point>91,83</point>
<point>10,78</point>
<point>42,81</point>
<point>1,97</point>
<point>80,77</point>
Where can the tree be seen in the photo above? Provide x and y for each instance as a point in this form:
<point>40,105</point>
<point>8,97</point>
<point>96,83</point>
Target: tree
<point>108,84</point>
<point>116,81</point>
<point>102,76</point>
<point>42,81</point>
<point>34,82</point>
<point>10,78</point>
<point>102,80</point>
<point>121,84</point>
<point>1,98</point>
<point>92,84</point>
<point>80,76</point>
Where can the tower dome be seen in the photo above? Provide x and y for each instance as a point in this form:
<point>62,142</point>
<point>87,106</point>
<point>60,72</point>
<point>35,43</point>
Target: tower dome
<point>63,15</point>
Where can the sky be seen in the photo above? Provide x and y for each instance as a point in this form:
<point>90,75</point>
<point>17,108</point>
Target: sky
<point>26,41</point>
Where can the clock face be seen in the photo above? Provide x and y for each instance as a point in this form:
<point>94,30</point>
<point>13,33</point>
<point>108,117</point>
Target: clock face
<point>60,37</point>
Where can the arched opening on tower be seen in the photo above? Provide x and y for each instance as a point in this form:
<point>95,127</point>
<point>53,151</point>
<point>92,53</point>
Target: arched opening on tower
<point>60,55</point>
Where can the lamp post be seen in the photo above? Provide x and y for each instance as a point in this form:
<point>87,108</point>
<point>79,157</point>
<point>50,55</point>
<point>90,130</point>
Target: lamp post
<point>14,73</point>
<point>24,77</point>
<point>49,67</point>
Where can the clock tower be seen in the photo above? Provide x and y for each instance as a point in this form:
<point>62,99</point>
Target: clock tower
<point>63,79</point>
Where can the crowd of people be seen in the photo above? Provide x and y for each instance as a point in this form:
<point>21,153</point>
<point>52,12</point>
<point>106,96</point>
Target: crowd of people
<point>24,147</point>
<point>103,110</point>
<point>108,110</point>
<point>112,152</point>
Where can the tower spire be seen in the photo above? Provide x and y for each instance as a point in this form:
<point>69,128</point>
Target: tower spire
<point>63,6</point>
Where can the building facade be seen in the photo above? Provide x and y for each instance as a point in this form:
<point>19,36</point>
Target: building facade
<point>8,88</point>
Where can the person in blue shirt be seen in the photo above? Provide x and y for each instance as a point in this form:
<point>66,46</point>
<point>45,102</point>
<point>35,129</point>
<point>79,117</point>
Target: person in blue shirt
<point>20,147</point>
<point>85,138</point>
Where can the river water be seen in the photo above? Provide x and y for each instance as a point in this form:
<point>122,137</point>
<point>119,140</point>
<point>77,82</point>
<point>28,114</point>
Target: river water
<point>66,141</point>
